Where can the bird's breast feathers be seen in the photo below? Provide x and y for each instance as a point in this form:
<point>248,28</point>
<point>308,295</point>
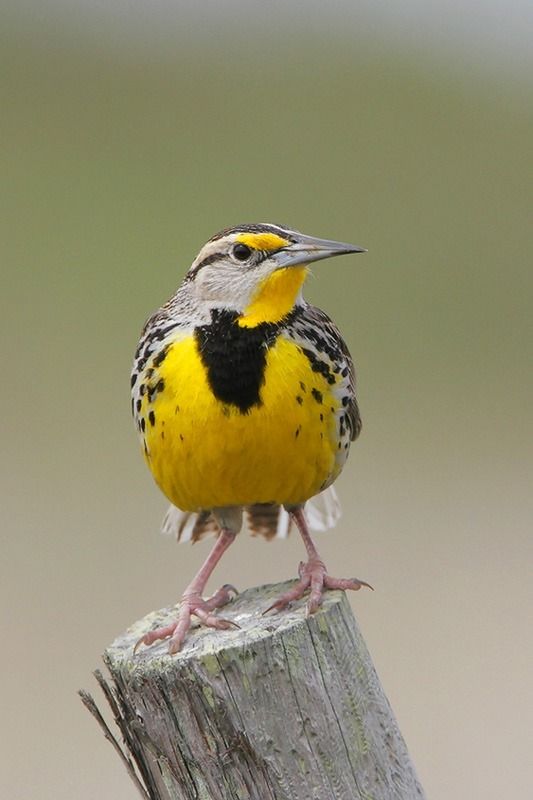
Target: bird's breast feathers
<point>230,414</point>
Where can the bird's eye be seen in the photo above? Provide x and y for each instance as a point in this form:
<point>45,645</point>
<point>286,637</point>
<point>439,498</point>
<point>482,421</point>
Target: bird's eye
<point>242,252</point>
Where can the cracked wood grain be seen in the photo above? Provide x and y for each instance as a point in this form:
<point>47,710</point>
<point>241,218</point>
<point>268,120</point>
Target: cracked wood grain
<point>288,707</point>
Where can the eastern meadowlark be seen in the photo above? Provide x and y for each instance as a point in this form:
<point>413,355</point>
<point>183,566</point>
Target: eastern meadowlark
<point>244,399</point>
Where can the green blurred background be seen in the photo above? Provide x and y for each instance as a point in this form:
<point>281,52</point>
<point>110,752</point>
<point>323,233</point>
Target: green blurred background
<point>133,132</point>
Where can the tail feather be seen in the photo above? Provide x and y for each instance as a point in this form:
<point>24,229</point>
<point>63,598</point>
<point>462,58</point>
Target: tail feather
<point>265,519</point>
<point>186,526</point>
<point>323,511</point>
<point>261,519</point>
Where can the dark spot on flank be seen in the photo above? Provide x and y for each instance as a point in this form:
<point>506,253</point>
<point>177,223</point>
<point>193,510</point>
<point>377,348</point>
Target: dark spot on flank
<point>302,386</point>
<point>297,431</point>
<point>346,446</point>
<point>143,389</point>
<point>317,365</point>
<point>146,449</point>
<point>299,399</point>
<point>332,409</point>
<point>345,372</point>
<point>317,395</point>
<point>162,434</point>
<point>143,424</point>
<point>159,386</point>
<point>176,409</point>
<point>133,379</point>
<point>160,357</point>
<point>321,435</point>
<point>345,400</point>
<point>132,405</point>
<point>339,445</point>
<point>151,417</point>
<point>182,437</point>
<point>139,404</point>
<point>322,418</point>
<point>149,372</point>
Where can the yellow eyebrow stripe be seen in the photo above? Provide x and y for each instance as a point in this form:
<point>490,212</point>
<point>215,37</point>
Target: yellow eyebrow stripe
<point>262,241</point>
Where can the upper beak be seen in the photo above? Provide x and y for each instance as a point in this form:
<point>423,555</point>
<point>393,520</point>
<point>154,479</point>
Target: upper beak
<point>307,249</point>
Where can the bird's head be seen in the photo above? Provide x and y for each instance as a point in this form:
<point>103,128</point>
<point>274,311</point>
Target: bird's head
<point>258,270</point>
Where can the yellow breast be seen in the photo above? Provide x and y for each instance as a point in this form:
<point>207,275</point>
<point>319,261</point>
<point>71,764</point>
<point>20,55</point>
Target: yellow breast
<point>204,453</point>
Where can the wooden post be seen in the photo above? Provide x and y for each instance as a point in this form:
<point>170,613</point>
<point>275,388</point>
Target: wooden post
<point>289,707</point>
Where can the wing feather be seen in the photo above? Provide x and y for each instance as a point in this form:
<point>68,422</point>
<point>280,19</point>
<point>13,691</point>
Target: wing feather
<point>314,330</point>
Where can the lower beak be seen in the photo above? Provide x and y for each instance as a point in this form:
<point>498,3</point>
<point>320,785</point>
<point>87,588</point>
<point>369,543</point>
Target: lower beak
<point>308,249</point>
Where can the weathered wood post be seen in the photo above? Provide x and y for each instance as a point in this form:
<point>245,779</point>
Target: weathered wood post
<point>288,707</point>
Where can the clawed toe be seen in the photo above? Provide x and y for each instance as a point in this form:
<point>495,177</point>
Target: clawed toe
<point>212,621</point>
<point>224,595</point>
<point>290,596</point>
<point>345,583</point>
<point>192,604</point>
<point>314,578</point>
<point>153,636</point>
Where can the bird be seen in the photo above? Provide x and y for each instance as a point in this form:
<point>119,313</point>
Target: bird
<point>243,395</point>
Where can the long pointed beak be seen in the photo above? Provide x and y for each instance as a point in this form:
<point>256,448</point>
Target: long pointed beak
<point>307,249</point>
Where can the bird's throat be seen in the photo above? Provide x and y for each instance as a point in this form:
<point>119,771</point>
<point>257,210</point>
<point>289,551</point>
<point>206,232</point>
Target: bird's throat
<point>275,297</point>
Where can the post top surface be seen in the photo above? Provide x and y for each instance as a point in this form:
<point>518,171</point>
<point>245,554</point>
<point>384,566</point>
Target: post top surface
<point>247,610</point>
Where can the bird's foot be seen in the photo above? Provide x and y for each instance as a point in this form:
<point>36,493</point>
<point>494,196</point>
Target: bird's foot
<point>192,603</point>
<point>314,578</point>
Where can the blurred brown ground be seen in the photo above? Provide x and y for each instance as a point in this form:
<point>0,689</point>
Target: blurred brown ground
<point>118,164</point>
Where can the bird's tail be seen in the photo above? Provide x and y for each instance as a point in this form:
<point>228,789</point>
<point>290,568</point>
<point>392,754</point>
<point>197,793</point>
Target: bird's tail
<point>262,519</point>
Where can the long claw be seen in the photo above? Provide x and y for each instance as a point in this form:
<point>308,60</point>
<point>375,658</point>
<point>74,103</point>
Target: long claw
<point>276,605</point>
<point>291,595</point>
<point>221,597</point>
<point>345,583</point>
<point>214,622</point>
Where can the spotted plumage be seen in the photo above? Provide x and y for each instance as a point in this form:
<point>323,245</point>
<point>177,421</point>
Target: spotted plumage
<point>243,393</point>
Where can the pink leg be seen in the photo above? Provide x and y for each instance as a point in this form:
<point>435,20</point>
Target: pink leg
<point>193,603</point>
<point>313,575</point>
